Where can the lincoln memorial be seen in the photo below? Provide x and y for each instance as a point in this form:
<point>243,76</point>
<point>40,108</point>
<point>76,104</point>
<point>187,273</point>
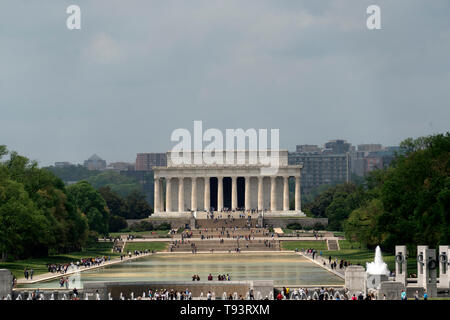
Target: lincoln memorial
<point>243,184</point>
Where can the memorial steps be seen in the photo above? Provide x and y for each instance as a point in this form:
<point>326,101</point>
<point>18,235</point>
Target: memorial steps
<point>226,245</point>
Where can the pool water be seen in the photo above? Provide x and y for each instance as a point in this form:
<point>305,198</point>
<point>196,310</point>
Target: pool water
<point>286,269</point>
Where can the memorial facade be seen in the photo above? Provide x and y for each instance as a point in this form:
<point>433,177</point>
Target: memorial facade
<point>240,185</point>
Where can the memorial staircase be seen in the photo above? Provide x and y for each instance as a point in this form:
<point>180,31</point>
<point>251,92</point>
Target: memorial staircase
<point>224,245</point>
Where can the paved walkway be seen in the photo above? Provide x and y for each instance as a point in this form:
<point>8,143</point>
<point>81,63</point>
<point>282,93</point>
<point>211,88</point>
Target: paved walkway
<point>320,262</point>
<point>50,275</point>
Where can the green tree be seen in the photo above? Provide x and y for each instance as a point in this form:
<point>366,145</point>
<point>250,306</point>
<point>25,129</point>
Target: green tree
<point>90,202</point>
<point>24,229</point>
<point>138,207</point>
<point>118,183</point>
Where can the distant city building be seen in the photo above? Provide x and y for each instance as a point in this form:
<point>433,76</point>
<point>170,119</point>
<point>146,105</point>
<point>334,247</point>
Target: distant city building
<point>145,161</point>
<point>63,164</point>
<point>308,148</point>
<point>95,163</point>
<point>120,166</point>
<point>370,157</point>
<point>337,147</point>
<point>322,166</point>
<point>369,147</point>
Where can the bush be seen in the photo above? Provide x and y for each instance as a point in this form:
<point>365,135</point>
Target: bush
<point>294,226</point>
<point>117,223</point>
<point>164,226</point>
<point>142,226</point>
<point>318,226</point>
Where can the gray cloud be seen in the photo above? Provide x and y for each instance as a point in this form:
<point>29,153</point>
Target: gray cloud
<point>140,69</point>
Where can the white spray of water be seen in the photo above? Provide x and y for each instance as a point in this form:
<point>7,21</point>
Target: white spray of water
<point>378,266</point>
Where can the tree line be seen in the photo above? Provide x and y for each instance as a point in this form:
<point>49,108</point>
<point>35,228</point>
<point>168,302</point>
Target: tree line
<point>39,214</point>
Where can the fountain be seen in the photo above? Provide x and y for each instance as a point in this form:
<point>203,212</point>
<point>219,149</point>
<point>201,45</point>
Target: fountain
<point>19,297</point>
<point>224,296</point>
<point>109,296</point>
<point>378,266</point>
<point>121,296</point>
<point>259,295</point>
<point>235,296</point>
<point>52,297</point>
<point>271,295</point>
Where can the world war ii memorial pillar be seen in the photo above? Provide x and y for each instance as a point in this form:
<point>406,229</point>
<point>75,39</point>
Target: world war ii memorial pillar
<point>444,264</point>
<point>426,270</point>
<point>401,270</point>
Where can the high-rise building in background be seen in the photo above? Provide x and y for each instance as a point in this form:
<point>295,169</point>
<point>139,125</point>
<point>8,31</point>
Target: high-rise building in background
<point>145,161</point>
<point>95,163</point>
<point>323,166</point>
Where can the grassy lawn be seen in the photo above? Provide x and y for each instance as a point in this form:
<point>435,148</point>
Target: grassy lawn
<point>354,253</point>
<point>292,245</point>
<point>142,246</point>
<point>350,251</point>
<point>39,264</point>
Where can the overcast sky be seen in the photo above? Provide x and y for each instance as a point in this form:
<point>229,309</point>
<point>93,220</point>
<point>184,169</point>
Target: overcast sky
<point>137,70</point>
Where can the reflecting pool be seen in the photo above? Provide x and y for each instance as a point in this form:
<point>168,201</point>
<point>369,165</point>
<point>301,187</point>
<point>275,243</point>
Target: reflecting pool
<point>286,269</point>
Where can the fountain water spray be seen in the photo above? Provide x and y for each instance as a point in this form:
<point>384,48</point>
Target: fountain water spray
<point>378,266</point>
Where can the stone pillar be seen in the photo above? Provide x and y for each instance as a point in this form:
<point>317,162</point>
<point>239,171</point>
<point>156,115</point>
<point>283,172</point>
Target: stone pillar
<point>207,200</point>
<point>219,193</point>
<point>234,202</point>
<point>426,275</point>
<point>286,194</point>
<point>356,280</point>
<point>443,258</point>
<point>161,197</point>
<point>168,194</point>
<point>401,271</point>
<point>6,281</point>
<point>260,193</point>
<point>273,193</point>
<point>298,204</point>
<point>194,194</point>
<point>181,194</point>
<point>247,194</point>
<point>156,201</point>
<point>421,265</point>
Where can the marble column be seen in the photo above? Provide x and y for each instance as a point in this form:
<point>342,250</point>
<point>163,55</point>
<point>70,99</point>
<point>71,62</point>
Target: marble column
<point>219,193</point>
<point>156,200</point>
<point>247,194</point>
<point>161,196</point>
<point>181,194</point>
<point>286,194</point>
<point>194,194</point>
<point>298,206</point>
<point>273,194</point>
<point>207,194</point>
<point>168,194</point>
<point>234,202</point>
<point>260,193</point>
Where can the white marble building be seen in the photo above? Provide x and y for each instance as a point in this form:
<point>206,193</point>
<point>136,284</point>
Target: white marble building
<point>242,184</point>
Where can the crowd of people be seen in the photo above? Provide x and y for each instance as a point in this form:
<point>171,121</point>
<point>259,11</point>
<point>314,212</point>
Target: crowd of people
<point>85,262</point>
